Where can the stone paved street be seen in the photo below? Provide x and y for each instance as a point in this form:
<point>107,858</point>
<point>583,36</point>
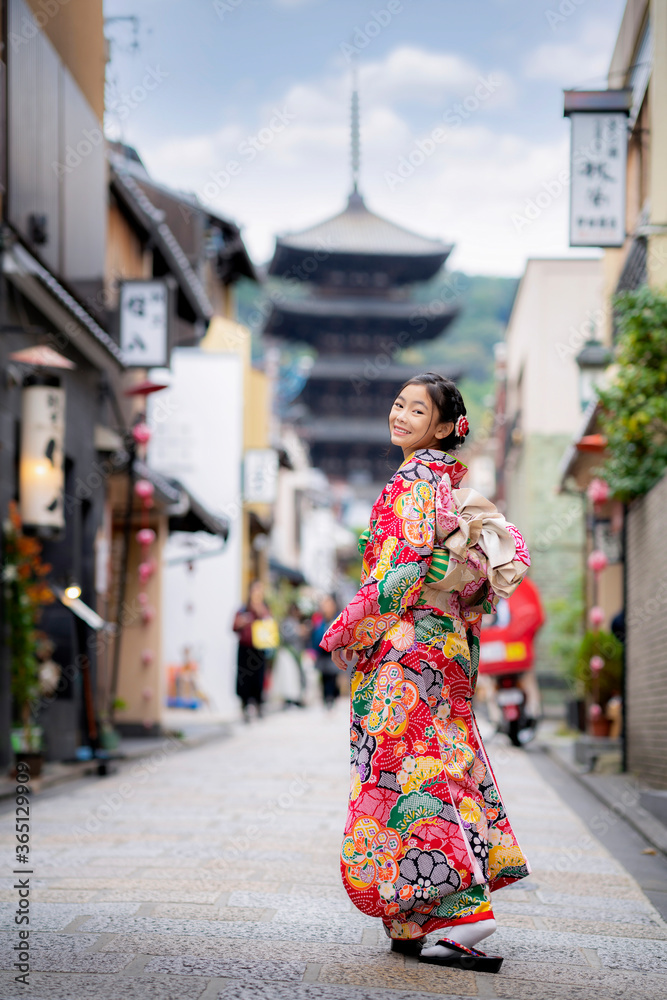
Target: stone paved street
<point>213,872</point>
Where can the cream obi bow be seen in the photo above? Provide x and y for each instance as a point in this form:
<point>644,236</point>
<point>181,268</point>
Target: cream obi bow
<point>481,544</point>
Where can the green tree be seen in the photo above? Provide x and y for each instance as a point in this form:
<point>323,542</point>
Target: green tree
<point>634,414</point>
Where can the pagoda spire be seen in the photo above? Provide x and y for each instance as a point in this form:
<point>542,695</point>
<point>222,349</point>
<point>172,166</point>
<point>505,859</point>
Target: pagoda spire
<point>354,132</point>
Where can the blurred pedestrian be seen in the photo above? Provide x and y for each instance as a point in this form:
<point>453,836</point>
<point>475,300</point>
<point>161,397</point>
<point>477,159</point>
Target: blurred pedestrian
<point>288,677</point>
<point>328,670</point>
<point>251,661</point>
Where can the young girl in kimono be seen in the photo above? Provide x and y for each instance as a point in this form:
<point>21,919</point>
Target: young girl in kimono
<point>427,837</point>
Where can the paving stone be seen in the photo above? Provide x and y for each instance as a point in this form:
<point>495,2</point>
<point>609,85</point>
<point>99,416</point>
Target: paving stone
<point>614,887</point>
<point>74,986</point>
<point>513,920</point>
<point>599,982</point>
<point>208,912</point>
<point>317,991</point>
<point>280,901</point>
<point>164,881</point>
<point>640,955</point>
<point>606,928</point>
<point>428,978</point>
<point>229,968</point>
<point>56,916</point>
<point>248,949</point>
<point>344,931</point>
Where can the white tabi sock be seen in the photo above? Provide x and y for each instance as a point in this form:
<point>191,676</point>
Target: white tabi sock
<point>469,935</point>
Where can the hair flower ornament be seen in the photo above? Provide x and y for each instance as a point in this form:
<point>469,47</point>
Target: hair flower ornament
<point>461,427</point>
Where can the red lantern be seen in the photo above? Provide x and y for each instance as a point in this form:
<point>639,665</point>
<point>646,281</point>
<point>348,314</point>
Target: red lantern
<point>141,433</point>
<point>598,491</point>
<point>144,489</point>
<point>597,561</point>
<point>147,615</point>
<point>145,537</point>
<point>596,663</point>
<point>596,617</point>
<point>147,657</point>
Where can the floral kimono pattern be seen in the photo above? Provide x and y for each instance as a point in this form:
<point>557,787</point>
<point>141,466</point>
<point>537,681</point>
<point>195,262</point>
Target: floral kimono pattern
<point>427,837</point>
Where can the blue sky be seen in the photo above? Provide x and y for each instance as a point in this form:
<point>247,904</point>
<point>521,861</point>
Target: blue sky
<point>461,111</point>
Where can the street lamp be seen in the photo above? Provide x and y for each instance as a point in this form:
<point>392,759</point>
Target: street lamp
<point>592,360</point>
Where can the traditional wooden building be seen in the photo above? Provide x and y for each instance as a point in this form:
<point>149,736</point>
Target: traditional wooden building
<point>347,293</point>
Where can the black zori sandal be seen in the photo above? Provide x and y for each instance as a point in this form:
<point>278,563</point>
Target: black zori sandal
<point>467,958</point>
<point>407,946</point>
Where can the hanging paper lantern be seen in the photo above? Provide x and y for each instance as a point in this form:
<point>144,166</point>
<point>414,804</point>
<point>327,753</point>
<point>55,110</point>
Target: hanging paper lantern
<point>143,598</point>
<point>141,433</point>
<point>144,489</point>
<point>147,657</point>
<point>595,711</point>
<point>147,693</point>
<point>145,537</point>
<point>147,615</point>
<point>598,491</point>
<point>597,561</point>
<point>146,570</point>
<point>596,616</point>
<point>596,663</point>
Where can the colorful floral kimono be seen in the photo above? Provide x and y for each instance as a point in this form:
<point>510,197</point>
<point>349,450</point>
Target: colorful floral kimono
<point>427,836</point>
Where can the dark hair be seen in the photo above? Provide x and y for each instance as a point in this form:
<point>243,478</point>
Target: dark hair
<point>447,400</point>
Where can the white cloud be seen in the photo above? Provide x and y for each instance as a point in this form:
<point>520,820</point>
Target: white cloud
<point>466,192</point>
<point>410,73</point>
<point>574,63</point>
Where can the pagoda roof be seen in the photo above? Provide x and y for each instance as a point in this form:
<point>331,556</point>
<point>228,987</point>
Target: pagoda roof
<point>307,319</point>
<point>329,368</point>
<point>357,236</point>
<point>358,230</point>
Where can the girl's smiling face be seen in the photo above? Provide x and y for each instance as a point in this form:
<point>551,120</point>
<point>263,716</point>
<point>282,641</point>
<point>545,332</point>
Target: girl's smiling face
<point>414,421</point>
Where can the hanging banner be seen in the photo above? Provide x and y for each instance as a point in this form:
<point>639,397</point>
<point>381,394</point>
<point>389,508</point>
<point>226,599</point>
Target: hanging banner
<point>598,155</point>
<point>260,475</point>
<point>144,324</point>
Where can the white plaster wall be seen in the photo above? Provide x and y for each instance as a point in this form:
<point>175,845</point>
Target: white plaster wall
<point>548,326</point>
<point>199,441</point>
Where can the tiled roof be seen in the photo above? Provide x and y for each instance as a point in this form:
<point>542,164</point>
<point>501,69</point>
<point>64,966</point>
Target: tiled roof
<point>359,231</point>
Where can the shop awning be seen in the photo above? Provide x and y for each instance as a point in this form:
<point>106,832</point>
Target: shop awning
<point>293,576</point>
<point>185,511</point>
<point>57,304</point>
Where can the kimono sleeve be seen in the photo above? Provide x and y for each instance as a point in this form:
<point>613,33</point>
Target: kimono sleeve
<point>402,547</point>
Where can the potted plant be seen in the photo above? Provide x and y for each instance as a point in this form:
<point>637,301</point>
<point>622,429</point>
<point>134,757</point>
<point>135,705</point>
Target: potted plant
<point>109,736</point>
<point>25,593</point>
<point>598,670</point>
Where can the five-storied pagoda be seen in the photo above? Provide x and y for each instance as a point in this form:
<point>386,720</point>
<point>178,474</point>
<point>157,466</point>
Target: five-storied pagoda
<point>354,305</point>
